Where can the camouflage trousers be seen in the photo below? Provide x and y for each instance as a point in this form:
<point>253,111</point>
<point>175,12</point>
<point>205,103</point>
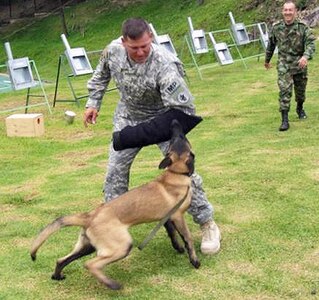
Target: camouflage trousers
<point>118,173</point>
<point>286,83</point>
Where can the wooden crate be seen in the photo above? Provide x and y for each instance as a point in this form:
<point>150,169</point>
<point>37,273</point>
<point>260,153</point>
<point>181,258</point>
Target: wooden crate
<point>25,125</point>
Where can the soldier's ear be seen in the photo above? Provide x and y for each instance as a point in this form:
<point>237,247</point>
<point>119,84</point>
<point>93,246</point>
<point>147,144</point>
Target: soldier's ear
<point>151,35</point>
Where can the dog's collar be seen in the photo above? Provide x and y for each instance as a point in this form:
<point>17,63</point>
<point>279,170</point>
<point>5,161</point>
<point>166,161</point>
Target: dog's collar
<point>185,174</point>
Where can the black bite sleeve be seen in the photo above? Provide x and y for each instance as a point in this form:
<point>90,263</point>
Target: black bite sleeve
<point>154,131</point>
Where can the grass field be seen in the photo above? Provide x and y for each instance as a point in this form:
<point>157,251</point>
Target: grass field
<point>264,185</point>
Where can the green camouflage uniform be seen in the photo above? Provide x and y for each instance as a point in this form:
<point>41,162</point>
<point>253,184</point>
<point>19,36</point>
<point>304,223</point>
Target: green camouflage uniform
<point>293,42</point>
<point>146,90</point>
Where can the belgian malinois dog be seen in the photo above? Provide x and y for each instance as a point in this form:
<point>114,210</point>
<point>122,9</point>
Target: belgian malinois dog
<point>105,229</point>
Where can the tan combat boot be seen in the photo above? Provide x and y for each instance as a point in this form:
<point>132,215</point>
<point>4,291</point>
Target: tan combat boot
<point>211,238</point>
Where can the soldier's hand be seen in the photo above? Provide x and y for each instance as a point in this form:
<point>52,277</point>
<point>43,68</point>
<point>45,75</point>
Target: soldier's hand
<point>90,116</point>
<point>302,62</point>
<point>267,65</point>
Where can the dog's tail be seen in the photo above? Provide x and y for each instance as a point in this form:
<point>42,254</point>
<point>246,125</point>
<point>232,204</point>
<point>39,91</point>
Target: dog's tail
<point>71,220</point>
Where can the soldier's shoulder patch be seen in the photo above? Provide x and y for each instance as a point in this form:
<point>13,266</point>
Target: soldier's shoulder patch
<point>172,87</point>
<point>183,97</point>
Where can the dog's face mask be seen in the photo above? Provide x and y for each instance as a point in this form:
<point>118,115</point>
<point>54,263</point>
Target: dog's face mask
<point>179,158</point>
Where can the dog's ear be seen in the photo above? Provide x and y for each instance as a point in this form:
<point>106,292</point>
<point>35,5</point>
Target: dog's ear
<point>190,163</point>
<point>165,162</point>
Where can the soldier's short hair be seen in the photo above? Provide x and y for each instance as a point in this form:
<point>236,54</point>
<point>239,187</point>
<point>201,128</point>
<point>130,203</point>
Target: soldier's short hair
<point>134,28</point>
<point>290,1</point>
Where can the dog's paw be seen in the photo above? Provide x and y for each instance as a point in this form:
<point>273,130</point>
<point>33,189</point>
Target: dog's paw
<point>57,277</point>
<point>180,249</point>
<point>195,263</point>
<point>113,285</point>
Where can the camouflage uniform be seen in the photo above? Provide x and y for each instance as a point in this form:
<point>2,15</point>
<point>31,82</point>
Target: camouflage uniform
<point>146,90</point>
<point>293,42</point>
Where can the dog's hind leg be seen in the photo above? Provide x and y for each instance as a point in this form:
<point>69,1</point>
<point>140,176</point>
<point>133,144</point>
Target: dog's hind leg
<point>83,247</point>
<point>114,247</point>
<point>182,228</point>
<point>171,231</point>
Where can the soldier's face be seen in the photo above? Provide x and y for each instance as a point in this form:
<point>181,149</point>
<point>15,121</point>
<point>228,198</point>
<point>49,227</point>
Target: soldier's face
<point>289,13</point>
<point>138,49</point>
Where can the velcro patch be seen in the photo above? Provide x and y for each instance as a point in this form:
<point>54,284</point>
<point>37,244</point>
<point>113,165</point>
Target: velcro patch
<point>183,97</point>
<point>172,87</point>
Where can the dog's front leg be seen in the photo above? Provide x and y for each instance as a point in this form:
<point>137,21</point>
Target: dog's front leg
<point>171,231</point>
<point>182,228</point>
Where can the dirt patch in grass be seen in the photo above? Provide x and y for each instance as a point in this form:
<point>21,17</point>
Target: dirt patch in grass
<point>70,135</point>
<point>244,268</point>
<point>315,175</point>
<point>7,208</point>
<point>30,189</point>
<point>21,243</point>
<point>258,85</point>
<point>74,160</point>
<point>245,214</point>
<point>188,289</point>
<point>8,216</point>
<point>313,258</point>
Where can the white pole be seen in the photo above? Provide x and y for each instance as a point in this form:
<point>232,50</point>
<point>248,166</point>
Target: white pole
<point>8,50</point>
<point>65,42</point>
<point>190,24</point>
<point>231,18</point>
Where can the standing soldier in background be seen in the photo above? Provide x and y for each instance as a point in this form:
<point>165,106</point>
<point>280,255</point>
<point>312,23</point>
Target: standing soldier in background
<point>150,81</point>
<point>296,45</point>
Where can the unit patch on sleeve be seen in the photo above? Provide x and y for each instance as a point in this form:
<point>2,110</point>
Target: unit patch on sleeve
<point>183,97</point>
<point>172,87</point>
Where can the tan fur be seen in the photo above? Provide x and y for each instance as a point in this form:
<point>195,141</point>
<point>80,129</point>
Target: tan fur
<point>105,229</point>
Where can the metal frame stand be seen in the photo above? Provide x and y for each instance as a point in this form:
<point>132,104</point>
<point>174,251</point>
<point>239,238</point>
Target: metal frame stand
<point>257,38</point>
<point>163,40</point>
<point>233,44</point>
<point>63,64</point>
<point>190,49</point>
<point>221,51</point>
<point>43,95</point>
<point>195,63</point>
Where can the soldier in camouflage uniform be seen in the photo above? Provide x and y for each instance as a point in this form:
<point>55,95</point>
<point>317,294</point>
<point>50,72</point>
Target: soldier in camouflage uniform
<point>296,46</point>
<point>150,82</point>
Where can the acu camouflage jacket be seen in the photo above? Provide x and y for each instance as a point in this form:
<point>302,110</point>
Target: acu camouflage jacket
<point>145,89</point>
<point>293,42</point>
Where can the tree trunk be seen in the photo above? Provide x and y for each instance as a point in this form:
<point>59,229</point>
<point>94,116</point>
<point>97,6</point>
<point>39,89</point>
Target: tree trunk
<point>10,9</point>
<point>64,27</point>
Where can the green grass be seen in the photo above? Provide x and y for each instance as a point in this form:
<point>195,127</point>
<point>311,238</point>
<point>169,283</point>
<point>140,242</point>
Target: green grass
<point>263,184</point>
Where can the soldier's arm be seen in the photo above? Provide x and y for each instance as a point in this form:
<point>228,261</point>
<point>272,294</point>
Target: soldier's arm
<point>98,83</point>
<point>271,46</point>
<point>174,90</point>
<point>309,43</point>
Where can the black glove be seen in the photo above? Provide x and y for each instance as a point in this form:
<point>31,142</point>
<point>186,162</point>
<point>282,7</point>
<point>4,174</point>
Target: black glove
<point>155,131</point>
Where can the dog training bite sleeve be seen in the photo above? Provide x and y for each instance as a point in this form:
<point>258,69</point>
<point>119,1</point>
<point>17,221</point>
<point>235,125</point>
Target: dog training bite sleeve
<point>154,131</point>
